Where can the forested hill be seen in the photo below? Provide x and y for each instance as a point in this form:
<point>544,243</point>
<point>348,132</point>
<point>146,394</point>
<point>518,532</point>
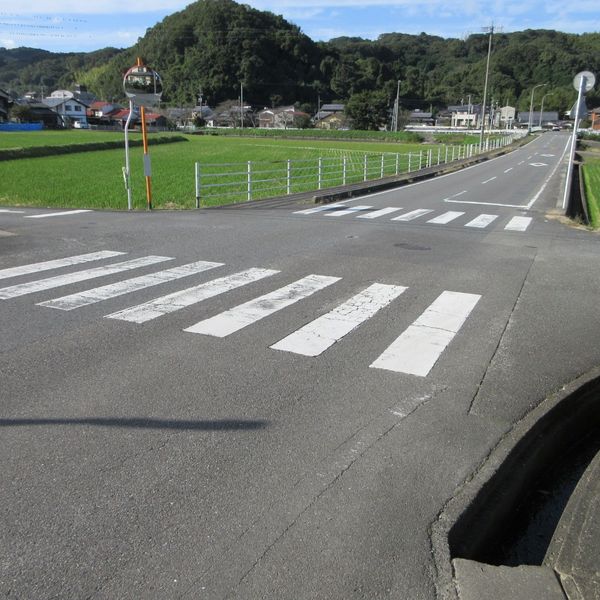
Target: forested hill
<point>213,46</point>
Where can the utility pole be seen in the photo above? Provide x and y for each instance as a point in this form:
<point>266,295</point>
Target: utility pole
<point>397,107</point>
<point>490,30</point>
<point>242,105</point>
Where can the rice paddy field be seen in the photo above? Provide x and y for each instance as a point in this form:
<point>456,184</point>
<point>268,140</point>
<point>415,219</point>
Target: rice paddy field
<point>95,179</point>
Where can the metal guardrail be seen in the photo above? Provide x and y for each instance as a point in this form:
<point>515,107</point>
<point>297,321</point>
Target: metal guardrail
<point>243,182</point>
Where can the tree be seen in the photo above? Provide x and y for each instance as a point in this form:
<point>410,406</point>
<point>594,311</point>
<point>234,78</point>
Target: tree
<point>368,110</point>
<point>22,113</point>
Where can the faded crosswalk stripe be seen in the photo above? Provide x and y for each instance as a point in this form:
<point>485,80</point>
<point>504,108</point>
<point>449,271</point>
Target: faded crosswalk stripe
<point>518,224</point>
<point>315,337</point>
<point>413,214</point>
<point>59,280</point>
<point>379,213</point>
<point>310,211</point>
<point>47,265</point>
<point>178,300</point>
<point>348,211</point>
<point>419,347</point>
<point>245,314</point>
<point>129,285</point>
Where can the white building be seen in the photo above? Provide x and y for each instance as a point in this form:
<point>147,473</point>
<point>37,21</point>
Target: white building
<point>68,107</point>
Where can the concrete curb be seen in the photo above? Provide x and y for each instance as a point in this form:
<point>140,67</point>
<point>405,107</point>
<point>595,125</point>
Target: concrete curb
<point>483,505</point>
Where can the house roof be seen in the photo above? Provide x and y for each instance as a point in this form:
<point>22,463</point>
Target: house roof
<point>333,107</point>
<point>54,102</point>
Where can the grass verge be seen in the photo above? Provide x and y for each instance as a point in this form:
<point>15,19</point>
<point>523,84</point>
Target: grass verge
<point>591,179</point>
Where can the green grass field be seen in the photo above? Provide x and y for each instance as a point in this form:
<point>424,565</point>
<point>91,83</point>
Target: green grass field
<point>95,180</point>
<point>591,178</point>
<point>26,139</point>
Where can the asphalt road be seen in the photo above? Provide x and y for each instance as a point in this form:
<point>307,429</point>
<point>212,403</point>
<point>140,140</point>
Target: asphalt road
<point>198,433</point>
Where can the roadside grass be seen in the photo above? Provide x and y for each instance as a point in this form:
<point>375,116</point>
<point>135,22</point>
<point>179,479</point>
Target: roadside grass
<point>46,137</point>
<point>591,179</point>
<point>94,179</point>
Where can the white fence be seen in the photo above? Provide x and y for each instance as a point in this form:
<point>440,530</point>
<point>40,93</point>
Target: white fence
<point>238,182</point>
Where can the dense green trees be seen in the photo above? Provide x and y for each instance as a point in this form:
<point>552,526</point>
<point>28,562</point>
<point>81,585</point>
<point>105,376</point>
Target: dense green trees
<point>213,46</point>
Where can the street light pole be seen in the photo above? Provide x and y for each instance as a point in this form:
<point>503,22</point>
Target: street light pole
<point>542,108</point>
<point>487,72</point>
<point>530,121</point>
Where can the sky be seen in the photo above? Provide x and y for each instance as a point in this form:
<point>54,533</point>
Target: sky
<point>80,26</point>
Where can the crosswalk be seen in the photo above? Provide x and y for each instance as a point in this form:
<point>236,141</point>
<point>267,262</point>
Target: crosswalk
<point>414,351</point>
<point>482,221</point>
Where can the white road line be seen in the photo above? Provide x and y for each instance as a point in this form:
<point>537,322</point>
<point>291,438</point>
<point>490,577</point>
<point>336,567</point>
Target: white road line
<point>508,170</point>
<point>446,217</point>
<point>178,300</point>
<point>380,213</point>
<point>241,316</point>
<point>481,221</point>
<point>419,347</point>
<point>518,224</point>
<point>310,211</point>
<point>315,337</point>
<point>414,214</point>
<point>49,283</point>
<point>9,210</point>
<point>521,162</point>
<point>58,214</point>
<point>488,180</point>
<point>348,211</point>
<point>129,285</point>
<point>57,263</point>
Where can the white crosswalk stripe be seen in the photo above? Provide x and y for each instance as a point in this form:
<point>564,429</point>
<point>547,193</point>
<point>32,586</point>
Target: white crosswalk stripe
<point>446,218</point>
<point>245,314</point>
<point>48,265</point>
<point>22,289</point>
<point>315,337</point>
<point>415,351</point>
<point>419,347</point>
<point>129,285</point>
<point>178,300</point>
<point>482,221</point>
<point>518,224</point>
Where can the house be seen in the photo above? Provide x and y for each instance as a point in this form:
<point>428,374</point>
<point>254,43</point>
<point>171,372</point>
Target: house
<point>5,102</point>
<point>419,117</point>
<point>334,121</point>
<point>228,114</point>
<point>464,115</point>
<point>595,117</point>
<point>327,110</point>
<point>282,118</point>
<point>153,120</point>
<point>103,113</point>
<point>64,103</point>
<point>505,117</point>
<point>44,114</point>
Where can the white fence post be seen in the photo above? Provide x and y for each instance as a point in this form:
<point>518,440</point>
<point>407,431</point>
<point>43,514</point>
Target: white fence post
<point>420,159</point>
<point>409,162</point>
<point>382,165</point>
<point>430,157</point>
<point>320,183</point>
<point>249,181</point>
<point>439,155</point>
<point>197,172</point>
<point>289,176</point>
<point>446,155</point>
<point>344,169</point>
<point>365,174</point>
<point>397,163</point>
